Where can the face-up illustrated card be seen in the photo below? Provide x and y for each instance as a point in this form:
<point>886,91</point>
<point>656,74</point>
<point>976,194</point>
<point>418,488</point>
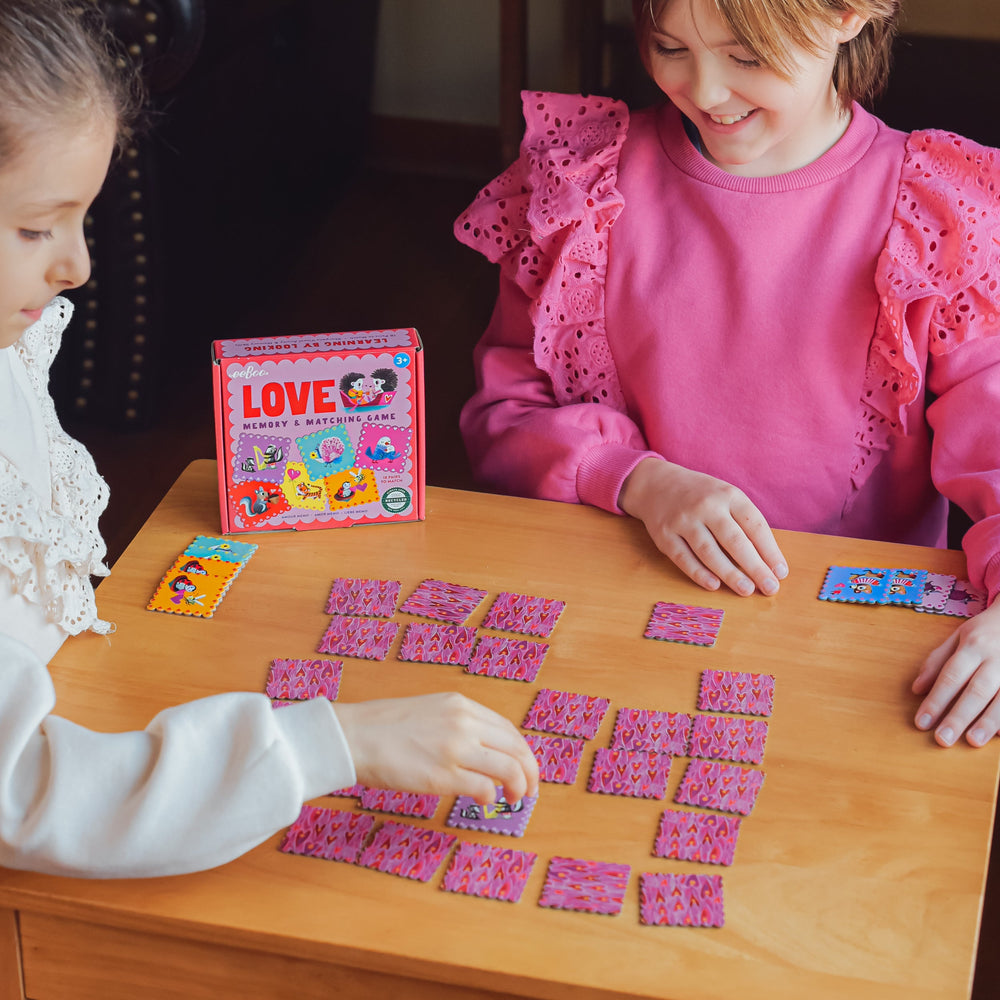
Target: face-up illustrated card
<point>303,679</point>
<point>511,659</point>
<point>637,773</point>
<point>684,623</point>
<point>681,900</point>
<point>260,456</point>
<point>491,872</point>
<point>333,834</point>
<point>365,638</point>
<point>301,490</point>
<point>223,549</point>
<point>400,803</point>
<point>351,488</point>
<point>407,850</point>
<point>193,586</point>
<point>383,448</point>
<point>501,816</point>
<point>713,785</point>
<point>566,714</point>
<point>734,691</point>
<point>446,602</point>
<point>258,500</point>
<point>964,601</point>
<point>326,452</point>
<point>361,596</point>
<point>589,886</point>
<point>937,589</point>
<point>689,836</point>
<point>524,614</point>
<point>904,586</point>
<point>855,585</point>
<point>558,757</point>
<point>658,732</point>
<point>726,737</point>
<point>430,642</point>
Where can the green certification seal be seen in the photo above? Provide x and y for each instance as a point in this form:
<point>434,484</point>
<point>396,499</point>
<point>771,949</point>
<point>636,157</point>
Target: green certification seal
<point>396,500</point>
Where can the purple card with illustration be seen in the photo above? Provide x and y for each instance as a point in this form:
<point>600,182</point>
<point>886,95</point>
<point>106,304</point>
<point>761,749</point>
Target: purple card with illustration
<point>524,614</point>
<point>447,602</point>
<point>509,818</point>
<point>383,447</point>
<point>406,850</point>
<point>511,659</point>
<point>687,623</point>
<point>558,757</point>
<point>332,834</point>
<point>962,601</point>
<point>432,642</point>
<point>365,638</point>
<point>855,584</point>
<point>261,457</point>
<point>674,900</point>
<point>937,590</point>
<point>326,452</point>
<point>304,679</point>
<point>363,596</point>
<point>644,729</point>
<point>491,872</point>
<point>588,886</point>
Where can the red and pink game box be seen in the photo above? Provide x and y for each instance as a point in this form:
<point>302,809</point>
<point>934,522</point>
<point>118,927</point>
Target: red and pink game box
<point>319,431</point>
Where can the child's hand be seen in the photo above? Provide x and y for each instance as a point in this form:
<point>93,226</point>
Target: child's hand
<point>963,678</point>
<point>443,744</point>
<point>710,529</point>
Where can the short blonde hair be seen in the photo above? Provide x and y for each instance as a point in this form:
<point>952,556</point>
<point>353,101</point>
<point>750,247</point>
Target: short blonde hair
<point>769,29</point>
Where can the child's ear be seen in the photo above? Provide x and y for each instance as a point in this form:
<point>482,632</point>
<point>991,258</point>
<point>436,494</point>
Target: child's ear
<point>848,25</point>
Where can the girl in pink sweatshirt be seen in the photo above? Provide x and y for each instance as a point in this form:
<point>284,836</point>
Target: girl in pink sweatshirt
<point>754,306</point>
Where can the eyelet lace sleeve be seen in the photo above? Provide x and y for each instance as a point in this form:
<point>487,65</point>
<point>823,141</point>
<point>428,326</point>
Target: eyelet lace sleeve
<point>52,553</point>
<point>942,245</point>
<point>546,221</point>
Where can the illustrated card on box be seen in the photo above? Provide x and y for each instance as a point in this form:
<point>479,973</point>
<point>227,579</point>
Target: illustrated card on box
<point>319,431</point>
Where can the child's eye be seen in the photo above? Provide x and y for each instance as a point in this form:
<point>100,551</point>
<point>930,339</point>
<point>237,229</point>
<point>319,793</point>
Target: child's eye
<point>664,50</point>
<point>35,234</point>
<point>746,63</point>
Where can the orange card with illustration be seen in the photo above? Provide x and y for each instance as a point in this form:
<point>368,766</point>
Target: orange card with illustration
<point>351,488</point>
<point>193,586</point>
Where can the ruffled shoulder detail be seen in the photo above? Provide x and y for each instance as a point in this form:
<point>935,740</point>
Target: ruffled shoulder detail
<point>546,221</point>
<point>52,553</point>
<point>943,244</point>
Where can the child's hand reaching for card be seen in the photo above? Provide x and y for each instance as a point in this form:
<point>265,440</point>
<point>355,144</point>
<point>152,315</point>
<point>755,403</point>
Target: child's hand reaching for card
<point>438,743</point>
<point>961,680</point>
<point>707,527</point>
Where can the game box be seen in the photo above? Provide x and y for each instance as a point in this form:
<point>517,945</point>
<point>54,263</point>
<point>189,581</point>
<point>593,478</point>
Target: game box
<point>319,431</point>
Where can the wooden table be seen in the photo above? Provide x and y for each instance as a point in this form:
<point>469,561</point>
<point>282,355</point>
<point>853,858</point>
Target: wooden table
<point>859,874</point>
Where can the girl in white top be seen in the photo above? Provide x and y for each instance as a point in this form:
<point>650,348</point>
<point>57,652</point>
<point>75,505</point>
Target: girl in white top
<point>205,781</point>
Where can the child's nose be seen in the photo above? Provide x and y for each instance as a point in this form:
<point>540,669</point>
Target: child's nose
<point>708,85</point>
<point>70,266</point>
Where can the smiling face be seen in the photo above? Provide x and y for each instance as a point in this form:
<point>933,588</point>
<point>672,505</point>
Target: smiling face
<point>753,120</point>
<point>45,192</point>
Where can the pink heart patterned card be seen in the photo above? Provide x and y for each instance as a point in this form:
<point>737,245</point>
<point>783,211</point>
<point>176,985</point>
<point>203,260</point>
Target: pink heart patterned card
<point>635,773</point>
<point>358,596</point>
<point>566,714</point>
<point>558,757</point>
<point>406,850</point>
<point>491,872</point>
<point>524,614</point>
<point>684,623</point>
<point>733,691</point>
<point>588,886</point>
<point>365,638</point>
<point>430,642</point>
<point>333,834</point>
<point>447,602</point>
<point>657,732</point>
<point>511,659</point>
<point>304,679</point>
<point>681,900</point>
<point>727,737</point>
<point>401,803</point>
<point>714,785</point>
<point>690,836</point>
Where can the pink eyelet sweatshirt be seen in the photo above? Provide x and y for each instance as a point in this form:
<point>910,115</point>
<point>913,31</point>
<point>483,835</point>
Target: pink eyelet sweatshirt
<point>823,339</point>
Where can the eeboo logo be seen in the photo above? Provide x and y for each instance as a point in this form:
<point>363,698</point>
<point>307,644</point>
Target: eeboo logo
<point>396,500</point>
